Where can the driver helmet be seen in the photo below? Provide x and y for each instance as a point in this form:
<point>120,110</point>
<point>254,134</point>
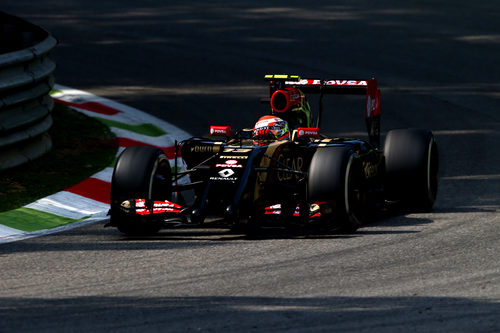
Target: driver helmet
<point>271,128</point>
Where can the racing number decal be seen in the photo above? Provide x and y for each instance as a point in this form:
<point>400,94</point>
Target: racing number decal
<point>237,150</point>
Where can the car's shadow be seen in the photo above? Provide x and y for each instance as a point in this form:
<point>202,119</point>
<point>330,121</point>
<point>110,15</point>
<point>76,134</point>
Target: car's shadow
<point>386,222</point>
<point>217,231</point>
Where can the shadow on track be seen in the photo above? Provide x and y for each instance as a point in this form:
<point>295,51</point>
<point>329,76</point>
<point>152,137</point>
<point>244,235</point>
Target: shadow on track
<point>98,238</point>
<point>213,314</point>
<point>214,231</point>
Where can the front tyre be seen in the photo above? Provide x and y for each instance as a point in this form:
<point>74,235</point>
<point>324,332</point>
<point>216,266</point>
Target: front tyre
<point>336,177</point>
<point>140,172</point>
<point>412,168</point>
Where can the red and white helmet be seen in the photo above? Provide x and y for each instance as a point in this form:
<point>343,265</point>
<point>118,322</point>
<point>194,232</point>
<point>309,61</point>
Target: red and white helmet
<point>271,128</point>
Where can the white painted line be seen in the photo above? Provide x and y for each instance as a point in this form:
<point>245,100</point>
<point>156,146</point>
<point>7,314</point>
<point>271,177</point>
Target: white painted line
<point>70,205</point>
<point>7,231</point>
<point>163,141</point>
<point>26,235</point>
<point>129,114</point>
<point>104,175</point>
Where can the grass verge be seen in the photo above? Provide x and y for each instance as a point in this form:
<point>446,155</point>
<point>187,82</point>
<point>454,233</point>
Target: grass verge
<point>82,146</point>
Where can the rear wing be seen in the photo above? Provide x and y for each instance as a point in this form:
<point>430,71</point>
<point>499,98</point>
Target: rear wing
<point>341,87</point>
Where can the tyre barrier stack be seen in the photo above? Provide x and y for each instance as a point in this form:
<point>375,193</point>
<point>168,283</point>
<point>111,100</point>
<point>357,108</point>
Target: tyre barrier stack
<point>26,79</point>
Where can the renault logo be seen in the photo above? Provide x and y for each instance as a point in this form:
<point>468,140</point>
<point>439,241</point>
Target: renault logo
<point>226,173</point>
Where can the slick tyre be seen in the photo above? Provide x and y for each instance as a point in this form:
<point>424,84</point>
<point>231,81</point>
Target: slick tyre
<point>412,167</point>
<point>336,177</point>
<point>140,172</point>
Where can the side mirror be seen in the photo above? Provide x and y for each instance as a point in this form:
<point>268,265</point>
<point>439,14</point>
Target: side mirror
<point>307,132</point>
<point>220,131</point>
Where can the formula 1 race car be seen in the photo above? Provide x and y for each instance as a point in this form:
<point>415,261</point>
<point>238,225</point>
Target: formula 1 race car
<point>281,172</point>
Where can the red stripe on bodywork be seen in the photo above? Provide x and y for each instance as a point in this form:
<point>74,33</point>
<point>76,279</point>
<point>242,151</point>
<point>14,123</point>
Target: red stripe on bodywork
<point>92,188</point>
<point>169,151</point>
<point>91,106</point>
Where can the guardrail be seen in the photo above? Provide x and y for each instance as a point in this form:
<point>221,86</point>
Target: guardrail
<point>26,79</point>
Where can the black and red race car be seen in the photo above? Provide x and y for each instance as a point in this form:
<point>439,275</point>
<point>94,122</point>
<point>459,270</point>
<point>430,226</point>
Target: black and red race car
<point>281,172</point>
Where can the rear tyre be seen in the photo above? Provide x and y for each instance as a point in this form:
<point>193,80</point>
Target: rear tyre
<point>140,172</point>
<point>336,177</point>
<point>412,168</point>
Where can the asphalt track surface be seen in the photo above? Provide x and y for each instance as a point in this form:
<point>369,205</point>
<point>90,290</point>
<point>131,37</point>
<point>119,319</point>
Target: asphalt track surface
<point>196,64</point>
